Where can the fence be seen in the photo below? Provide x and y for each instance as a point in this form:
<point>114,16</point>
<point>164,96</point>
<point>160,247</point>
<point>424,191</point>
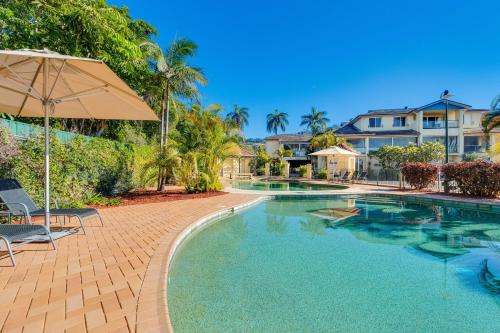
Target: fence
<point>25,131</point>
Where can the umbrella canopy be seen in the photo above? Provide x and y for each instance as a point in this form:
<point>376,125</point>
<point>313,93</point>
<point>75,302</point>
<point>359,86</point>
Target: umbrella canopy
<point>77,87</point>
<point>41,83</point>
<point>335,150</point>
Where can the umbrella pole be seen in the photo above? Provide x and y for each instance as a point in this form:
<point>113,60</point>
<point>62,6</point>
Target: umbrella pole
<point>46,111</point>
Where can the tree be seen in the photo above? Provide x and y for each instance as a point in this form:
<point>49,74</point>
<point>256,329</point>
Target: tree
<point>239,116</point>
<point>315,121</point>
<point>492,119</point>
<point>391,157</point>
<point>176,78</point>
<point>325,140</point>
<point>277,120</point>
<point>82,28</point>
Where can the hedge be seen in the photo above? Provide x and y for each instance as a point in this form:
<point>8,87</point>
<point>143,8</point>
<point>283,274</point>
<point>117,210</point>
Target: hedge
<point>419,175</point>
<point>474,178</point>
<point>82,171</point>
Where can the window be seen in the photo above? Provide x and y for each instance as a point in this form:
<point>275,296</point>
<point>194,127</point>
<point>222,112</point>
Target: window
<point>452,142</point>
<point>375,122</point>
<point>472,144</point>
<point>399,122</point>
<point>376,143</point>
<point>404,141</point>
<point>358,144</point>
<point>432,122</point>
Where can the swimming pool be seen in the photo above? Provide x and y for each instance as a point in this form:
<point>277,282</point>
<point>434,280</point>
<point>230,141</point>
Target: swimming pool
<point>343,264</point>
<point>283,185</point>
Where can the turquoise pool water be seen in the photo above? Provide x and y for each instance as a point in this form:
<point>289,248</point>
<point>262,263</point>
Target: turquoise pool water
<point>346,264</point>
<point>282,185</point>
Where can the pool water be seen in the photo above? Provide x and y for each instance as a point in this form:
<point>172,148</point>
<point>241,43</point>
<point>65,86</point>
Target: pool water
<point>283,185</point>
<point>345,264</point>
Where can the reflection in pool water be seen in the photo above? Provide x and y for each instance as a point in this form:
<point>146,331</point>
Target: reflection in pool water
<point>346,264</point>
<point>283,185</point>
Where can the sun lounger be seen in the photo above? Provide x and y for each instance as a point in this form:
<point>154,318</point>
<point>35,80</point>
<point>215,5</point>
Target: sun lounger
<point>20,204</point>
<point>19,234</point>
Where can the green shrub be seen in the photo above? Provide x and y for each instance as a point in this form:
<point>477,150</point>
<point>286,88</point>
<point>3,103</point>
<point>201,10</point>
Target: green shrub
<point>419,175</point>
<point>474,178</point>
<point>302,170</point>
<point>322,174</point>
<point>82,171</point>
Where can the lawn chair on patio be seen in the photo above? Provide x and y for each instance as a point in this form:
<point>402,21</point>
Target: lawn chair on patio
<point>339,176</point>
<point>363,176</point>
<point>345,178</point>
<point>20,204</point>
<point>354,176</point>
<point>21,234</point>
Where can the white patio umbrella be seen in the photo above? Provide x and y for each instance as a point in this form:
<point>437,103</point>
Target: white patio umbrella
<point>41,83</point>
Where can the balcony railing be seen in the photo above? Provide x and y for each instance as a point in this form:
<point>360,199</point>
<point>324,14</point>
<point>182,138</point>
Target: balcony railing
<point>474,149</point>
<point>440,124</point>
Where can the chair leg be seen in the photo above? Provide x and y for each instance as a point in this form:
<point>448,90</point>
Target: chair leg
<point>100,218</point>
<point>52,240</point>
<point>81,224</point>
<point>11,254</point>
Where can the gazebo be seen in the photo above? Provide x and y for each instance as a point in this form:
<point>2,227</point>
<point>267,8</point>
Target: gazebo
<point>334,159</point>
<point>237,164</point>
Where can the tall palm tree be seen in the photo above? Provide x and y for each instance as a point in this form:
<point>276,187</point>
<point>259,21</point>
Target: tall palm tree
<point>277,120</point>
<point>239,116</point>
<point>176,79</point>
<point>315,121</point>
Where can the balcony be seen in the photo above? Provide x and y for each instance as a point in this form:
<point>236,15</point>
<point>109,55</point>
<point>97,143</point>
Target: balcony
<point>440,124</point>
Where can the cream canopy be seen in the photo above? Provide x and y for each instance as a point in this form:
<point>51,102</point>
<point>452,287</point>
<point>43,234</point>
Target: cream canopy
<point>41,83</point>
<point>74,87</point>
<point>334,150</point>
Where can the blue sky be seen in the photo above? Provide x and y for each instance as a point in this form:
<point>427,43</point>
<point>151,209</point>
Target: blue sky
<point>344,57</point>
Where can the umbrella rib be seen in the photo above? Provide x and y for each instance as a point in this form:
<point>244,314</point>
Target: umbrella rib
<point>104,81</point>
<point>81,104</point>
<point>79,94</point>
<point>26,97</point>
<point>24,93</point>
<point>20,78</point>
<point>57,78</point>
<point>16,63</point>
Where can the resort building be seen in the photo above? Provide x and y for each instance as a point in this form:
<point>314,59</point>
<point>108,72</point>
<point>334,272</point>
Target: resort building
<point>399,127</point>
<point>297,143</point>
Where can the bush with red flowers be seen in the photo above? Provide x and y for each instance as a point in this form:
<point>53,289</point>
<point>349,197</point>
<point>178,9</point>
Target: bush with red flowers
<point>474,178</point>
<point>419,175</point>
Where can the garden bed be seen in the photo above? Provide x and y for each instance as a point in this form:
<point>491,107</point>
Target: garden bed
<point>145,196</point>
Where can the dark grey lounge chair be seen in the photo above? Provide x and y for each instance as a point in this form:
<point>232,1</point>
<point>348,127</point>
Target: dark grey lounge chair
<point>20,234</point>
<point>363,176</point>
<point>20,204</point>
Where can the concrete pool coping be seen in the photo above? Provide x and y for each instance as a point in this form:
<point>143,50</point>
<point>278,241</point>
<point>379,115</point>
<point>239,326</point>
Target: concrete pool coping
<point>162,259</point>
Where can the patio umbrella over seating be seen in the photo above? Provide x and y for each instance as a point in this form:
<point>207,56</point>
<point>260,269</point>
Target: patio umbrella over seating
<point>41,83</point>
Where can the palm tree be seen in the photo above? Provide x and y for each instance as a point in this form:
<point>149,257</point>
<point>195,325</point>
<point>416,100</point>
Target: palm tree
<point>176,78</point>
<point>277,120</point>
<point>315,121</point>
<point>239,116</point>
<point>492,118</point>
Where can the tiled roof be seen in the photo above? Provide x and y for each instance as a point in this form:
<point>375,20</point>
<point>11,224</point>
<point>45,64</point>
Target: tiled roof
<point>291,137</point>
<point>389,111</point>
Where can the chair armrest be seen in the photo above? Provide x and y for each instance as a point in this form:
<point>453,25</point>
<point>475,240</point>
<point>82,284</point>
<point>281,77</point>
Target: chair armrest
<point>24,209</point>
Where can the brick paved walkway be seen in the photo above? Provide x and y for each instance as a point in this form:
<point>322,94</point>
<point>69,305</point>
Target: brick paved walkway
<point>94,282</point>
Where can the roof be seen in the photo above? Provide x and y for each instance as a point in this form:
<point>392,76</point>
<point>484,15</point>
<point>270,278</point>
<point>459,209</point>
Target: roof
<point>306,137</point>
<point>350,129</point>
<point>405,110</point>
<point>241,152</point>
<point>334,150</point>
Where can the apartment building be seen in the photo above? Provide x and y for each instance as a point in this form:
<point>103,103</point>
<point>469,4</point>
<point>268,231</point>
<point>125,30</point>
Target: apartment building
<point>400,127</point>
<point>297,143</point>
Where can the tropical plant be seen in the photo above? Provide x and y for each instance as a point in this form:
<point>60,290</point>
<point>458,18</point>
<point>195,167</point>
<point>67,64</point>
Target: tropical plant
<point>391,157</point>
<point>325,140</point>
<point>277,120</point>
<point>492,119</point>
<point>474,178</point>
<point>239,116</point>
<point>322,174</point>
<point>176,78</point>
<point>259,162</point>
<point>419,175</point>
<point>204,143</point>
<point>315,121</point>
